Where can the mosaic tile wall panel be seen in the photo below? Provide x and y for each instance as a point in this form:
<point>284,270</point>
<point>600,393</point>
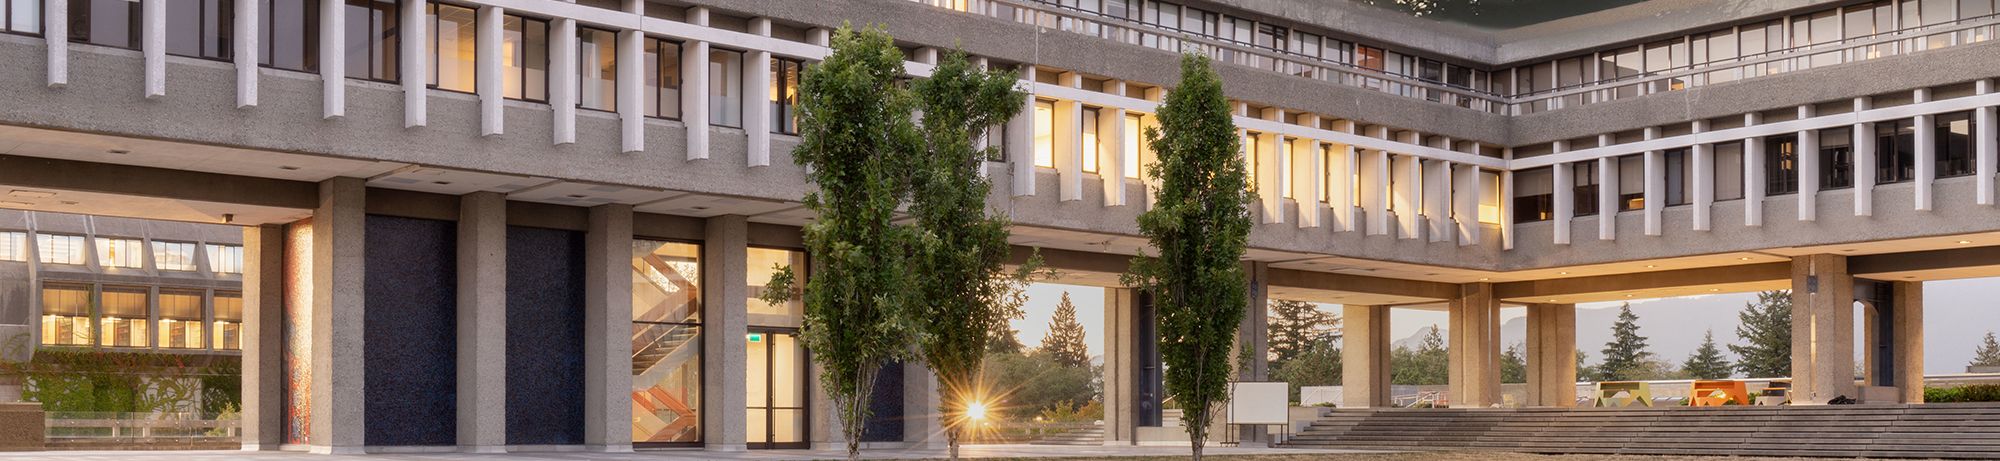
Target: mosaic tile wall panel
<point>298,332</point>
<point>544,336</point>
<point>412,339</point>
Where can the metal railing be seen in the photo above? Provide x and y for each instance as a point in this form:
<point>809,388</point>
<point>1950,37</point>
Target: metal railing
<point>118,430</point>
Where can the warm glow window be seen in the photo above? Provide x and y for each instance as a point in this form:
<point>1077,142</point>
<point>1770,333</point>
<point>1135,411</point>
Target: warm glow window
<point>117,252</point>
<point>180,323</point>
<point>453,44</point>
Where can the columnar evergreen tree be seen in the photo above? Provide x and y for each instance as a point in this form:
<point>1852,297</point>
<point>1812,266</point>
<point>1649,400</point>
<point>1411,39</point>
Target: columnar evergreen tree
<point>1625,355</point>
<point>857,142</point>
<point>1198,228</point>
<point>966,292</point>
<point>1988,353</point>
<point>1513,365</point>
<point>1766,333</point>
<point>1707,361</point>
<point>1064,341</point>
<point>1318,365</point>
<point>1004,339</point>
<point>1295,326</point>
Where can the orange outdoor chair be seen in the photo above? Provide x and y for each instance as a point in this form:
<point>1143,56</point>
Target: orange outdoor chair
<point>1715,393</point>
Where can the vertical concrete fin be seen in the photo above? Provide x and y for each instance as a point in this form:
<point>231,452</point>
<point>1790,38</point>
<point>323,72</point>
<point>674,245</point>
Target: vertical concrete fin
<point>562,80</point>
<point>244,52</point>
<point>153,44</point>
<point>415,61</point>
<point>333,72</point>
<point>487,80</point>
<point>55,36</point>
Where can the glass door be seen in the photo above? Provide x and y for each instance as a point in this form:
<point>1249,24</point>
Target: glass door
<point>776,390</point>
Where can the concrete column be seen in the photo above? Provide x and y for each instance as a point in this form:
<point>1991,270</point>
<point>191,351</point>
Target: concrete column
<point>607,329</point>
<point>1926,153</point>
<point>631,91</point>
<point>55,36</point>
<point>1551,355</point>
<point>1437,200</point>
<point>1068,142</point>
<point>153,44</point>
<point>1341,164</point>
<point>1565,206</point>
<point>921,426</point>
<point>725,320</point>
<point>756,74</point>
<point>1822,329</point>
<point>1607,198</point>
<point>694,88</point>
<point>1375,187</point>
<point>1908,347</point>
<point>482,322</point>
<point>1020,144</point>
<point>1271,175</point>
<point>562,79</point>
<point>1466,193</point>
<point>244,51</point>
<point>487,78</point>
<point>1507,206</point>
<point>1111,152</point>
<point>263,337</point>
<point>414,63</point>
<point>1753,174</point>
<point>1983,119</point>
<point>1808,168</point>
<point>339,261</point>
<point>1655,188</point>
<point>1254,333</point>
<point>1865,155</point>
<point>1364,356</point>
<point>1120,412</point>
<point>1702,194</point>
<point>333,64</point>
<point>1474,347</point>
<point>1404,194</point>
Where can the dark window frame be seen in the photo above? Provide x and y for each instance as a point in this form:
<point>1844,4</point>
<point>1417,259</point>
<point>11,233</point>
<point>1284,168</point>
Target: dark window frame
<point>225,34</point>
<point>784,114</point>
<point>1584,187</point>
<point>390,71</point>
<point>7,17</point>
<point>309,35</point>
<point>582,61</point>
<point>658,45</point>
<point>432,40</point>
<point>1895,151</point>
<point>1954,162</point>
<point>79,27</point>
<point>1781,163</point>
<point>527,45</point>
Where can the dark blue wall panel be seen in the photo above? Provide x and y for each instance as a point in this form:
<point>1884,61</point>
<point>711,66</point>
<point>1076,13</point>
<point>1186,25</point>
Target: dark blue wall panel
<point>412,342</point>
<point>544,336</point>
<point>885,415</point>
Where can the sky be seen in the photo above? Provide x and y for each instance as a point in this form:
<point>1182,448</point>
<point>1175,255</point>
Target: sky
<point>1957,314</point>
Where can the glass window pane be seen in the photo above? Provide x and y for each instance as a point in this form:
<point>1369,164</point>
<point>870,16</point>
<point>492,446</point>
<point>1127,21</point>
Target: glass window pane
<point>180,323</point>
<point>123,321</point>
<point>226,259</point>
<point>1133,145</point>
<point>663,77</point>
<point>13,246</point>
<point>24,16</point>
<point>66,314</point>
<point>371,39</point>
<point>228,320</point>
<point>453,47</point>
<point>60,249</point>
<point>291,34</point>
<point>113,23</point>
<point>666,383</point>
<point>725,92</point>
<point>117,252</point>
<point>597,58</point>
<point>666,282</point>
<point>762,265</point>
<point>1090,146</point>
<point>1045,141</point>
<point>173,256</point>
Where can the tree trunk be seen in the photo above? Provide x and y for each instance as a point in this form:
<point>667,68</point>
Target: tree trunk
<point>951,441</point>
<point>1197,449</point>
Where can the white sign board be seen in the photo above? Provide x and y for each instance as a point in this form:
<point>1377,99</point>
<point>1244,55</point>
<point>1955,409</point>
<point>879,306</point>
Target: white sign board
<point>1259,403</point>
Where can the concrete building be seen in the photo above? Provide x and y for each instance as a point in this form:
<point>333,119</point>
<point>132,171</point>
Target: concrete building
<point>489,225</point>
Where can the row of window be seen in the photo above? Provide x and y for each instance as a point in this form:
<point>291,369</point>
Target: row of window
<point>289,40</point>
<point>1896,157</point>
<point>104,315</point>
<point>1723,48</point>
<point>114,252</point>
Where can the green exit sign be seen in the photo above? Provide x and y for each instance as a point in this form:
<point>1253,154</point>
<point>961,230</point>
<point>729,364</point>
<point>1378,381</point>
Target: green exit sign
<point>756,337</point>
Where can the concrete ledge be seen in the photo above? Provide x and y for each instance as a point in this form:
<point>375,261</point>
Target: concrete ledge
<point>23,427</point>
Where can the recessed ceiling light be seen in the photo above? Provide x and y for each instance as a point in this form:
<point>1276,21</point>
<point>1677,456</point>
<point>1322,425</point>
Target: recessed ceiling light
<point>1552,300</point>
<point>1650,266</point>
<point>24,193</point>
<point>1745,258</point>
<point>288,168</point>
<point>66,202</point>
<point>441,183</point>
<point>14,203</point>
<point>577,196</point>
<point>1628,296</point>
<point>700,208</point>
<point>1714,289</point>
<point>1965,242</point>
<point>118,151</point>
<point>1563,273</point>
<point>1482,279</point>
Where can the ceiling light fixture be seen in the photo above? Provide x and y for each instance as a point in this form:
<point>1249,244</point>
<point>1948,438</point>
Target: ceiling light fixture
<point>24,193</point>
<point>14,203</point>
<point>1745,258</point>
<point>1965,242</point>
<point>288,168</point>
<point>118,151</point>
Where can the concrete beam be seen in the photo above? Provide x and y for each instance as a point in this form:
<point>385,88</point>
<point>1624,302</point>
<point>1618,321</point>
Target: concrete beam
<point>156,182</point>
<point>1643,281</point>
<point>1362,284</point>
<point>1952,258</point>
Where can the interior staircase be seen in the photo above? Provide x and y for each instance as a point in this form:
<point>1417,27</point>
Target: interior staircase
<point>1950,431</point>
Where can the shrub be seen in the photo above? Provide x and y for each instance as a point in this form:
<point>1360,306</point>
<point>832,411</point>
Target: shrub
<point>1966,393</point>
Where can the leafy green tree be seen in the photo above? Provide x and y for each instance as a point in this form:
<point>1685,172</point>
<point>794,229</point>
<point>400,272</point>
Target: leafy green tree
<point>966,291</point>
<point>1583,368</point>
<point>858,141</point>
<point>1028,384</point>
<point>1198,228</point>
<point>1064,341</point>
<point>1766,333</point>
<point>1988,353</point>
<point>1003,339</point>
<point>1296,326</point>
<point>1626,353</point>
<point>1707,361</point>
<point>1318,365</point>
<point>1513,365</point>
<point>1428,364</point>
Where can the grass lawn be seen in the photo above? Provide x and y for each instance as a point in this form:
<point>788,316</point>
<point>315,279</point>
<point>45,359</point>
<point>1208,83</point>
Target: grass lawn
<point>1429,456</point>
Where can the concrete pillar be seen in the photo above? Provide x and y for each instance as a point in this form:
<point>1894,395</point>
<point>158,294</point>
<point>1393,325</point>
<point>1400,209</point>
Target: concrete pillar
<point>1808,168</point>
<point>1375,190</point>
<point>1467,191</point>
<point>1565,206</point>
<point>333,71</point>
<point>1908,347</point>
<point>153,44</point>
<point>1753,174</point>
<point>921,426</point>
<point>1865,156</point>
<point>725,299</point>
<point>562,80</point>
<point>1822,329</point>
<point>757,97</point>
<point>607,329</point>
<point>1551,355</point>
<point>1926,153</point>
<point>694,88</point>
<point>1983,120</point>
<point>1364,356</point>
<point>1702,192</point>
<point>1020,144</point>
<point>1655,186</point>
<point>55,35</point>
<point>414,63</point>
<point>1120,414</point>
<point>263,337</point>
<point>244,51</point>
<point>1607,197</point>
<point>1437,200</point>
<point>1474,347</point>
<point>631,91</point>
<point>487,79</point>
<point>1254,334</point>
<point>482,322</point>
<point>1404,194</point>
<point>1112,150</point>
<point>338,266</point>
<point>1068,142</point>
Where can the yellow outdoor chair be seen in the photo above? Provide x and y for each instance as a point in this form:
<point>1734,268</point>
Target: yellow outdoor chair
<point>1715,393</point>
<point>1634,392</point>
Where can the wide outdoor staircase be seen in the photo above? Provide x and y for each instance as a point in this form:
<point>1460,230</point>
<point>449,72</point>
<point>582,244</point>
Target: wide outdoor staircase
<point>1954,431</point>
<point>1090,436</point>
